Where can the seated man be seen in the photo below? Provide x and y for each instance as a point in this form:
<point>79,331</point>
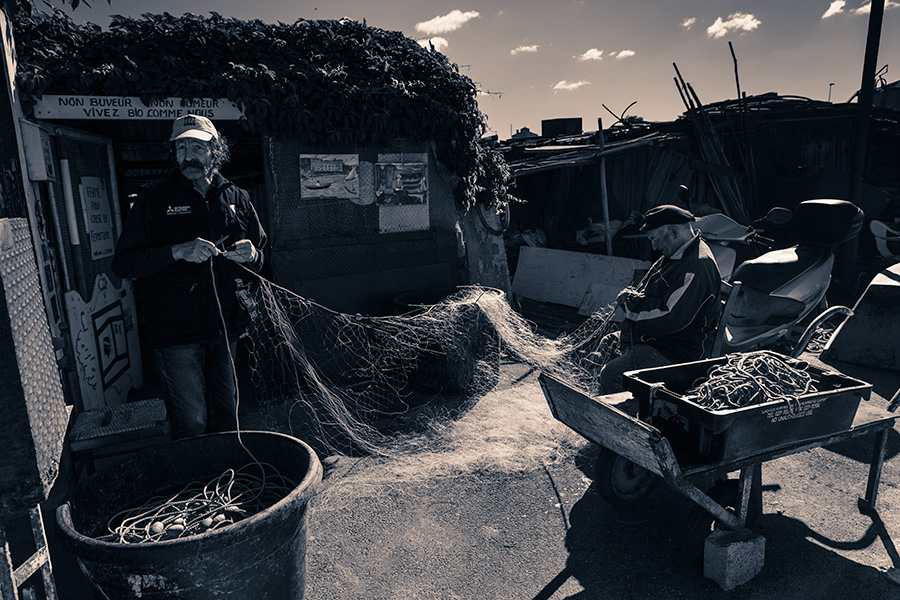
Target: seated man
<point>671,316</point>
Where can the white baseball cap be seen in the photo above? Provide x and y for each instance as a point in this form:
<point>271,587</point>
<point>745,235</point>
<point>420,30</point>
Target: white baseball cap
<point>193,126</point>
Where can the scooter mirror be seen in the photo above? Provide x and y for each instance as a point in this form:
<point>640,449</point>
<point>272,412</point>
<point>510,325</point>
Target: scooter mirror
<point>684,194</point>
<point>779,215</point>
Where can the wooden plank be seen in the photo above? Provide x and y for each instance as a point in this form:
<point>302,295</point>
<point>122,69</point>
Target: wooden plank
<point>564,277</point>
<point>604,424</point>
<point>604,197</point>
<point>12,579</point>
<point>40,542</point>
<point>7,584</point>
<point>598,297</point>
<point>30,566</point>
<point>118,424</point>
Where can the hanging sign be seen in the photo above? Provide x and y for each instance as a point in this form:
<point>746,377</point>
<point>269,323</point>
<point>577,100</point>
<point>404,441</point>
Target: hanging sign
<point>97,108</point>
<point>97,218</point>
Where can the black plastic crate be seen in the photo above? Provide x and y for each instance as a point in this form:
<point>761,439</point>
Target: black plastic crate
<point>725,434</point>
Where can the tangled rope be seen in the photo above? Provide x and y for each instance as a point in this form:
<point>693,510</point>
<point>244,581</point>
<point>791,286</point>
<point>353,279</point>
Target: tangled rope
<point>200,507</point>
<point>750,379</point>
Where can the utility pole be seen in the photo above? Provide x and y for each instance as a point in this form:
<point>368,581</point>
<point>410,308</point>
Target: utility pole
<point>846,254</point>
<point>865,98</point>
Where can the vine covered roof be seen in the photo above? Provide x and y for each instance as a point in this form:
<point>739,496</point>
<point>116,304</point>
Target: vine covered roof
<point>324,83</point>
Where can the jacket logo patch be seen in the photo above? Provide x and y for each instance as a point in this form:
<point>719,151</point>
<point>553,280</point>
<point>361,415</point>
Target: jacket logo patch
<point>178,210</point>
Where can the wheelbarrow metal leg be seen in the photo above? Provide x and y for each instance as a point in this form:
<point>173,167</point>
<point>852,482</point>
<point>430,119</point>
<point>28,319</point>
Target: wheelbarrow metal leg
<point>868,503</point>
<point>748,485</point>
<point>721,514</point>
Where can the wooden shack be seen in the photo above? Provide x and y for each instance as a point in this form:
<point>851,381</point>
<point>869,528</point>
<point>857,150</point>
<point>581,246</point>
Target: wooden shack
<point>360,149</point>
<point>740,157</point>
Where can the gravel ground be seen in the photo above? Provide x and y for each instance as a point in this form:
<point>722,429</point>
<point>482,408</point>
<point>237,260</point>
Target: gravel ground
<point>544,533</point>
<point>540,531</point>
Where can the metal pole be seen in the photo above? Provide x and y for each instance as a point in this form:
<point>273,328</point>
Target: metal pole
<point>737,80</point>
<point>74,235</point>
<point>866,95</point>
<point>846,254</point>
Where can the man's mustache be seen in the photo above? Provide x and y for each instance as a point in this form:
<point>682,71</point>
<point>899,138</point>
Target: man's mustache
<point>186,164</point>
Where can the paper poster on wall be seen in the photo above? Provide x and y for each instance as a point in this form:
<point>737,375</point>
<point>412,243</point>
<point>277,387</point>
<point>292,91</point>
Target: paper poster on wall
<point>333,176</point>
<point>401,193</point>
<point>95,202</point>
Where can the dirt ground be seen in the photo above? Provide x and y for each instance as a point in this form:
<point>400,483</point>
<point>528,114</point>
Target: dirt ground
<point>510,512</point>
<point>545,533</point>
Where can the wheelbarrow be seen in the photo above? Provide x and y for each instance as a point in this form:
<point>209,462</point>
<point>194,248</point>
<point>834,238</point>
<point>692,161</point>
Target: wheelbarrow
<point>635,455</point>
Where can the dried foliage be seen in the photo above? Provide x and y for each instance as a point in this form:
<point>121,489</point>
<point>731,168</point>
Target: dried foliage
<point>324,83</point>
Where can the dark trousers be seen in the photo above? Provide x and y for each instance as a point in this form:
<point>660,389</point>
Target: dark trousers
<point>200,381</point>
<point>638,356</point>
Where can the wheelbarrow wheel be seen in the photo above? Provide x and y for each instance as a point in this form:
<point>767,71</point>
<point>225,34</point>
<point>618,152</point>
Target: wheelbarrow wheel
<point>620,481</point>
<point>701,523</point>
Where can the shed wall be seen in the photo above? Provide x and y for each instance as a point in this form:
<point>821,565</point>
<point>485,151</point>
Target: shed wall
<point>353,253</point>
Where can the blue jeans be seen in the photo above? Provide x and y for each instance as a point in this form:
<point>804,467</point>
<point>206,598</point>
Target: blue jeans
<point>638,356</point>
<point>200,381</point>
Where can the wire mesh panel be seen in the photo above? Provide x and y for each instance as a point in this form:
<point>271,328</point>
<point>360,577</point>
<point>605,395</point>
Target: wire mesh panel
<point>34,411</point>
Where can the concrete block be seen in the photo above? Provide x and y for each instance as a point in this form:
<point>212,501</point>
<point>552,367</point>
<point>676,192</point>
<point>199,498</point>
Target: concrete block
<point>732,558</point>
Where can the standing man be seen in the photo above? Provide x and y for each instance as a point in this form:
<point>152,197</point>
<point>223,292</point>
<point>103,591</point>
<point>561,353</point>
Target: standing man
<point>189,239</point>
<point>671,316</point>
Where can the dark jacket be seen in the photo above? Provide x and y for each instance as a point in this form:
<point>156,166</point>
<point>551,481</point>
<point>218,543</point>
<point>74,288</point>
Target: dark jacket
<point>679,308</point>
<point>181,300</point>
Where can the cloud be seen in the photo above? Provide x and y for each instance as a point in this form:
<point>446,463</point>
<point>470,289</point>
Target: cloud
<point>688,23</point>
<point>836,7</point>
<point>592,54</point>
<point>452,21</point>
<point>867,7</point>
<point>624,54</point>
<point>522,49</point>
<point>439,43</point>
<point>568,86</point>
<point>735,22</point>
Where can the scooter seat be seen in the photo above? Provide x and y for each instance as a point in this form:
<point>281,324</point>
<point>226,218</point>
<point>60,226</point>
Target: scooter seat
<point>774,269</point>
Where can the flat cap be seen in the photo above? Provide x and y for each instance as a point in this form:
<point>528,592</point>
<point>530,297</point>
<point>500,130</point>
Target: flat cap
<point>667,214</point>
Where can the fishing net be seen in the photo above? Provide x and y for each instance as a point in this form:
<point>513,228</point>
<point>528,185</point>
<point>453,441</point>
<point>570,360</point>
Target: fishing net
<point>356,384</point>
<point>200,506</point>
<point>747,379</point>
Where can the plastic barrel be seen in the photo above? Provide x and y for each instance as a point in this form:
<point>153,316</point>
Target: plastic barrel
<point>261,557</point>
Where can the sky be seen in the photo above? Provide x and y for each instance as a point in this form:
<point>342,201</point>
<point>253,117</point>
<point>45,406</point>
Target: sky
<point>547,59</point>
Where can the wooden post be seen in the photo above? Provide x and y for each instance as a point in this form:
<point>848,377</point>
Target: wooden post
<point>603,197</point>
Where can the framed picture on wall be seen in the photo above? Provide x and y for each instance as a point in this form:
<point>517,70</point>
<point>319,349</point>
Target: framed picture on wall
<point>334,176</point>
<point>401,193</point>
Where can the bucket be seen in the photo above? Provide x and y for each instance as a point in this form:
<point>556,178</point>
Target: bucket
<point>258,558</point>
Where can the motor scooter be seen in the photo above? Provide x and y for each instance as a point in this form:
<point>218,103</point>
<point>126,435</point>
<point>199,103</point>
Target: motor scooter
<point>768,300</point>
<point>732,243</point>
